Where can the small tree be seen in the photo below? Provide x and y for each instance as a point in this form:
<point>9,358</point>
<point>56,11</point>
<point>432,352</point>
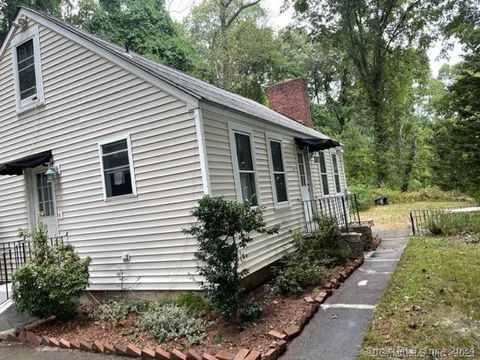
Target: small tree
<point>223,231</point>
<point>49,282</point>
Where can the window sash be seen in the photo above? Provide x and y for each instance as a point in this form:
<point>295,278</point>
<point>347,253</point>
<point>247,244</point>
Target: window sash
<point>323,173</point>
<point>117,169</point>
<point>245,167</point>
<point>277,168</point>
<point>27,68</point>
<point>26,72</point>
<point>336,173</point>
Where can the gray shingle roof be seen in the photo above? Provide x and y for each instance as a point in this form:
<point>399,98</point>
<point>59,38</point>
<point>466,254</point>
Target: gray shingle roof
<point>193,86</point>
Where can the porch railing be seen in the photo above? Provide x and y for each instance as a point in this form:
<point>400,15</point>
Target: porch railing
<point>343,207</point>
<point>14,255</point>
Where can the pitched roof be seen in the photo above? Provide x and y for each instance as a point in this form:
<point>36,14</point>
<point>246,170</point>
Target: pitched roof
<point>188,84</point>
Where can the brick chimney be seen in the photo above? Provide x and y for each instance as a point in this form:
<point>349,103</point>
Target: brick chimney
<point>290,98</point>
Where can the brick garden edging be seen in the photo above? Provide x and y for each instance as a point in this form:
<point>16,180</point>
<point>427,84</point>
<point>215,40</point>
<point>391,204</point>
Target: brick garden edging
<point>281,337</point>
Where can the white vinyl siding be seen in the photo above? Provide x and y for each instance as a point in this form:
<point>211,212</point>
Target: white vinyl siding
<point>88,99</point>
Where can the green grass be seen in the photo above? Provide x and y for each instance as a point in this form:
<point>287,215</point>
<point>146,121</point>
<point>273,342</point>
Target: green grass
<point>432,301</point>
<point>396,216</point>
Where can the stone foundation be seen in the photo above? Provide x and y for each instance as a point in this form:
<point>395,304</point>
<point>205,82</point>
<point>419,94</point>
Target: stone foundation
<point>365,230</point>
<point>353,241</point>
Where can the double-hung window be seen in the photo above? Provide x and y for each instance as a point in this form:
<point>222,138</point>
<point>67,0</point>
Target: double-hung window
<point>117,168</point>
<point>323,173</point>
<point>245,167</point>
<point>336,173</point>
<point>27,69</point>
<point>277,170</point>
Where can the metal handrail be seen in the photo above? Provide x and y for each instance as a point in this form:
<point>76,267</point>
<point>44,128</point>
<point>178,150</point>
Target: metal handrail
<point>342,207</point>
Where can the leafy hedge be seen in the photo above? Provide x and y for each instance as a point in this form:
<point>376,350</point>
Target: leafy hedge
<point>366,196</point>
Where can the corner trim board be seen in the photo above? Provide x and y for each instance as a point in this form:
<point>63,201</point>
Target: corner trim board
<point>202,150</point>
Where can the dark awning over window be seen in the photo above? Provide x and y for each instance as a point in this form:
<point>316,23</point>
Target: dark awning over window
<point>16,167</point>
<point>314,144</point>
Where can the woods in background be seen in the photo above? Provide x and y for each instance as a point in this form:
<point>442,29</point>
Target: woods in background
<point>365,62</point>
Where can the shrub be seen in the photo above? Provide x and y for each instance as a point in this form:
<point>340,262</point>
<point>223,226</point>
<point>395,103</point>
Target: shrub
<point>366,196</point>
<point>116,310</point>
<point>223,231</point>
<point>305,265</point>
<point>446,223</point>
<point>170,321</point>
<point>294,277</point>
<point>50,282</point>
<point>193,302</point>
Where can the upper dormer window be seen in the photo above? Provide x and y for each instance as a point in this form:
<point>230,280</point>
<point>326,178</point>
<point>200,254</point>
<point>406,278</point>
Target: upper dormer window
<point>27,69</point>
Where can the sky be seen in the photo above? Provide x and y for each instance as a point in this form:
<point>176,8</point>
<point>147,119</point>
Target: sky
<point>180,8</point>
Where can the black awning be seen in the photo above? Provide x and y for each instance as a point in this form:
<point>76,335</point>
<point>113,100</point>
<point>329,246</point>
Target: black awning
<point>315,144</point>
<point>16,167</point>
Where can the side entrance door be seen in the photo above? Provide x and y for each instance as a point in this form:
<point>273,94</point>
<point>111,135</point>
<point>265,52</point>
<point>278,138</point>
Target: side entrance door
<point>305,184</point>
<point>42,201</point>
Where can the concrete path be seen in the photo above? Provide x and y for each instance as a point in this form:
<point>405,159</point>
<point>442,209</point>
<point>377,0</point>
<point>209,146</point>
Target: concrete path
<point>336,331</point>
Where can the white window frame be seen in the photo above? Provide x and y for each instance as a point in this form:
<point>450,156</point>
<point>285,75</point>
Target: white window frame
<point>277,138</point>
<point>232,129</point>
<point>39,98</point>
<point>109,140</point>
<point>339,191</point>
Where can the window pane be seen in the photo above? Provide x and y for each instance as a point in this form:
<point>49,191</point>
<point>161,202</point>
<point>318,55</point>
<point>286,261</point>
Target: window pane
<point>25,51</point>
<point>244,152</point>
<point>281,187</point>
<point>118,182</point>
<point>114,146</point>
<point>45,195</point>
<point>26,70</point>
<point>115,160</point>
<point>276,149</point>
<point>337,183</point>
<point>323,165</point>
<point>301,168</point>
<point>335,165</point>
<point>325,184</point>
<point>247,181</point>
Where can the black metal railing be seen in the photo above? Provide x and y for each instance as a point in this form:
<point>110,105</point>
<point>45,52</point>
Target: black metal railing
<point>344,208</point>
<point>14,255</point>
<point>423,221</point>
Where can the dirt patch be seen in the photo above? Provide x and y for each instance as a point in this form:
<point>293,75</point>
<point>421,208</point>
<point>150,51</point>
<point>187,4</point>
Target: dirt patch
<point>278,313</point>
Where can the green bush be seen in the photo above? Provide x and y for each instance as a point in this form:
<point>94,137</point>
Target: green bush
<point>446,223</point>
<point>51,281</point>
<point>294,277</point>
<point>305,265</point>
<point>223,231</point>
<point>193,302</point>
<point>170,321</point>
<point>366,196</point>
<point>116,310</point>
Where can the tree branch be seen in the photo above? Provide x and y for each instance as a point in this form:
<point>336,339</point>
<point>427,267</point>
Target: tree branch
<point>239,10</point>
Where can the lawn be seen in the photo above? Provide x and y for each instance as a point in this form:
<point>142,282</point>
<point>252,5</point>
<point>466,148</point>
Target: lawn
<point>432,301</point>
<point>396,216</point>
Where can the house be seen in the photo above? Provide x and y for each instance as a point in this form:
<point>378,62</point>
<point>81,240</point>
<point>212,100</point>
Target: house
<point>116,150</point>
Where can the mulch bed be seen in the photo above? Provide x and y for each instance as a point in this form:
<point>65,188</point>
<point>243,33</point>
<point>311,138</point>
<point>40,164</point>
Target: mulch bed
<point>279,312</point>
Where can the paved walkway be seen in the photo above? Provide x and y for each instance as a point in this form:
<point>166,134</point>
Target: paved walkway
<point>336,331</point>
